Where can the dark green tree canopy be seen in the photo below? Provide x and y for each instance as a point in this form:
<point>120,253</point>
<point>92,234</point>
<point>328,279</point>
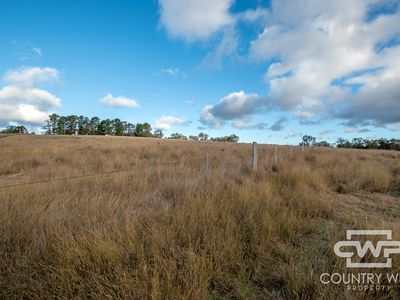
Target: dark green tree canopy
<point>82,125</point>
<point>15,129</point>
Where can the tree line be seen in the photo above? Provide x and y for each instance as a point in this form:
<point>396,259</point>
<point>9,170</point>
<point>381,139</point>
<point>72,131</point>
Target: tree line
<point>233,138</point>
<point>355,143</point>
<point>360,143</point>
<point>15,129</point>
<point>81,125</point>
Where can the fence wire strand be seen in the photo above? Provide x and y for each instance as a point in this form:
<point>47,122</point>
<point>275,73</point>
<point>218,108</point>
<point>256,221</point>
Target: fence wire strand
<point>106,173</point>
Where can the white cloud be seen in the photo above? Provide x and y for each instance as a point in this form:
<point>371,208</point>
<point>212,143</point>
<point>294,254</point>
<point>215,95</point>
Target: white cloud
<point>166,122</point>
<point>21,100</point>
<point>235,106</point>
<point>317,43</point>
<point>25,113</point>
<point>119,101</point>
<point>20,94</point>
<point>31,76</point>
<point>193,19</point>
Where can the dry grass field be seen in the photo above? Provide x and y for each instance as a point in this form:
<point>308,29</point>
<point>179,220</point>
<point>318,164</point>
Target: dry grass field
<point>160,230</point>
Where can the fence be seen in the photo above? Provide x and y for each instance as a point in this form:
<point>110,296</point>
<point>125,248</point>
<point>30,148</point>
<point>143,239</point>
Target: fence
<point>206,158</point>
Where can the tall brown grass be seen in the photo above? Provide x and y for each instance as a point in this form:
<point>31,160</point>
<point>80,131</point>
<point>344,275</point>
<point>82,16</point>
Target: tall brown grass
<point>160,231</point>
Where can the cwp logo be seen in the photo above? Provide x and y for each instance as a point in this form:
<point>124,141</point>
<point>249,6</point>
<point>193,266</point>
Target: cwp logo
<point>354,246</point>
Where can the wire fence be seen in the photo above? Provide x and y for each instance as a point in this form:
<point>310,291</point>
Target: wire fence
<point>112,172</point>
<point>155,163</point>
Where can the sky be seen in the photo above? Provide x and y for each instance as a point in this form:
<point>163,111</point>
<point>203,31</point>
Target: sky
<point>268,71</point>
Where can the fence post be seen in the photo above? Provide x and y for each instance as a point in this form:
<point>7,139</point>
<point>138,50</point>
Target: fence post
<point>254,163</point>
<point>291,151</point>
<point>206,173</point>
<point>276,154</point>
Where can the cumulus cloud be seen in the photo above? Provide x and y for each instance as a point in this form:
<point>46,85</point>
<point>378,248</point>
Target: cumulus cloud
<point>195,20</point>
<point>22,100</point>
<point>166,122</point>
<point>315,44</point>
<point>378,98</point>
<point>239,108</point>
<point>235,106</point>
<point>31,76</point>
<point>119,101</point>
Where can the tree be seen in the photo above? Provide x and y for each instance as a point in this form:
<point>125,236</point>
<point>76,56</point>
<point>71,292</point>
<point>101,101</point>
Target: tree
<point>130,129</point>
<point>94,125</point>
<point>83,125</point>
<point>343,143</point>
<point>60,127</point>
<point>147,130</point>
<point>233,138</point>
<point>51,124</point>
<point>119,126</point>
<point>71,124</point>
<point>178,136</point>
<point>203,136</point>
<point>143,130</point>
<point>15,129</point>
<point>106,127</point>
<point>323,144</point>
<point>395,144</point>
<point>158,134</point>
<point>194,137</point>
<point>308,140</point>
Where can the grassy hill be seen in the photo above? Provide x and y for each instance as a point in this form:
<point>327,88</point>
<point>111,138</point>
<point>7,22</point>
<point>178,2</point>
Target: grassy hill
<point>146,224</point>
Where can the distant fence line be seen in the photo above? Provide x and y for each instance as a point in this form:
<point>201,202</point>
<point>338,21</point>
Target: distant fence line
<point>206,158</point>
<point>156,164</point>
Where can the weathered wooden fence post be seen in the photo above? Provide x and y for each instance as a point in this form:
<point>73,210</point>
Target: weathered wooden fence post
<point>206,170</point>
<point>254,162</point>
<point>276,154</point>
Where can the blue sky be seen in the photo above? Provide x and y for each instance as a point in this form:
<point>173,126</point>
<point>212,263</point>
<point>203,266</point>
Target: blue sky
<point>267,71</point>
